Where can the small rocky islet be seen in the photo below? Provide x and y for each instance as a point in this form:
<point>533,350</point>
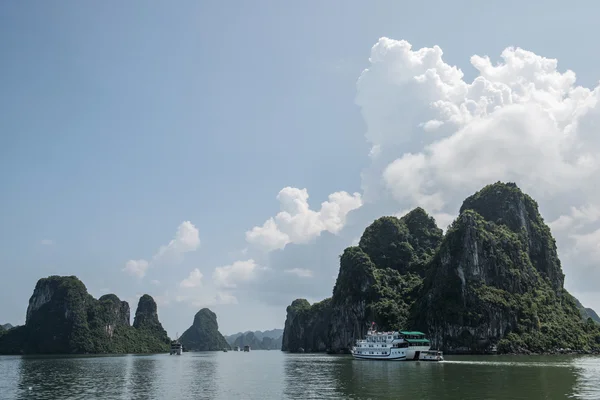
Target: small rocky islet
<point>493,281</point>
<point>204,333</point>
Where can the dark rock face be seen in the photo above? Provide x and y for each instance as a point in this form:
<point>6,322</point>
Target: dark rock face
<point>146,319</point>
<point>505,205</point>
<point>306,326</point>
<point>57,316</point>
<point>204,333</point>
<point>376,283</point>
<point>353,294</point>
<point>268,343</point>
<point>494,279</point>
<point>497,273</point>
<point>115,311</point>
<point>63,318</point>
<point>248,339</point>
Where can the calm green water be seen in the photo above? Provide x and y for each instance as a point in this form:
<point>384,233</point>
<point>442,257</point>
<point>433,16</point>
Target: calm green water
<point>277,375</point>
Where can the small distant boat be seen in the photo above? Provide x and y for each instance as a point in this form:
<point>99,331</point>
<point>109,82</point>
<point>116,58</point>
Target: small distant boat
<point>224,350</point>
<point>236,348</point>
<point>246,348</point>
<point>396,346</point>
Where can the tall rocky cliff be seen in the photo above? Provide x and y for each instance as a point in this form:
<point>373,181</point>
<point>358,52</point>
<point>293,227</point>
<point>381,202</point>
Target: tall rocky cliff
<point>378,281</point>
<point>63,318</point>
<point>204,333</point>
<point>146,319</point>
<point>494,279</point>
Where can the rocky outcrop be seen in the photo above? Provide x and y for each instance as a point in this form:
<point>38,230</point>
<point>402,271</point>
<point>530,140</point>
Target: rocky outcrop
<point>354,294</point>
<point>404,244</point>
<point>248,339</point>
<point>494,279</point>
<point>506,206</point>
<point>257,340</point>
<point>115,313</point>
<point>204,333</point>
<point>274,334</point>
<point>376,282</point>
<point>7,326</point>
<point>586,312</point>
<point>63,318</point>
<point>497,280</point>
<point>592,314</point>
<point>269,343</point>
<point>306,326</point>
<point>146,318</point>
<point>57,316</point>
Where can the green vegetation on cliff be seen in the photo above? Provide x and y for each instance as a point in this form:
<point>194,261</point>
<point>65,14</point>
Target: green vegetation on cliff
<point>204,333</point>
<point>62,318</point>
<point>306,326</point>
<point>404,244</point>
<point>494,279</point>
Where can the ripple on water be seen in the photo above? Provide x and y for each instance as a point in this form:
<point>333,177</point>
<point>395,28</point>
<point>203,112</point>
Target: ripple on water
<point>277,375</point>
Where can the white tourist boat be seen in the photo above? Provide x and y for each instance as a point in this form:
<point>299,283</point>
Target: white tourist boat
<point>176,347</point>
<point>395,346</point>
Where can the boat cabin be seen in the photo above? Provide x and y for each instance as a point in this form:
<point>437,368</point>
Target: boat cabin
<point>414,338</point>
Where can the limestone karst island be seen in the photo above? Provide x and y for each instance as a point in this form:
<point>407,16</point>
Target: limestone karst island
<point>492,283</point>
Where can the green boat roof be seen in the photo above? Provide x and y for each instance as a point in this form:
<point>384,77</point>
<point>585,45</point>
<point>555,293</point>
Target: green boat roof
<point>417,340</point>
<point>412,333</point>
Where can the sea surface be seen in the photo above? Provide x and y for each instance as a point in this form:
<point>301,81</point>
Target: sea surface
<point>278,375</point>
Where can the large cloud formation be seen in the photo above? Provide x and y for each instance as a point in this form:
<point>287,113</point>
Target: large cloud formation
<point>435,139</point>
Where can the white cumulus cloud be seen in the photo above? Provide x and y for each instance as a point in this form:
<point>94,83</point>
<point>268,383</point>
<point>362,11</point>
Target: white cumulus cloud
<point>297,223</point>
<point>136,268</point>
<point>193,280</point>
<point>300,272</point>
<point>186,239</point>
<point>439,138</point>
<point>229,276</point>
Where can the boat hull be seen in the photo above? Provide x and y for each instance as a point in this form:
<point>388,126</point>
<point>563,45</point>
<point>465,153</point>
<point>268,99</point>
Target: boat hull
<point>380,358</point>
<point>414,354</point>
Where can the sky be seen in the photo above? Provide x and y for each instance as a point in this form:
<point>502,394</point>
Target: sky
<point>223,154</point>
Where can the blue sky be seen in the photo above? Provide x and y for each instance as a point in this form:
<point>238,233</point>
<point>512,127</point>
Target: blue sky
<point>119,121</point>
